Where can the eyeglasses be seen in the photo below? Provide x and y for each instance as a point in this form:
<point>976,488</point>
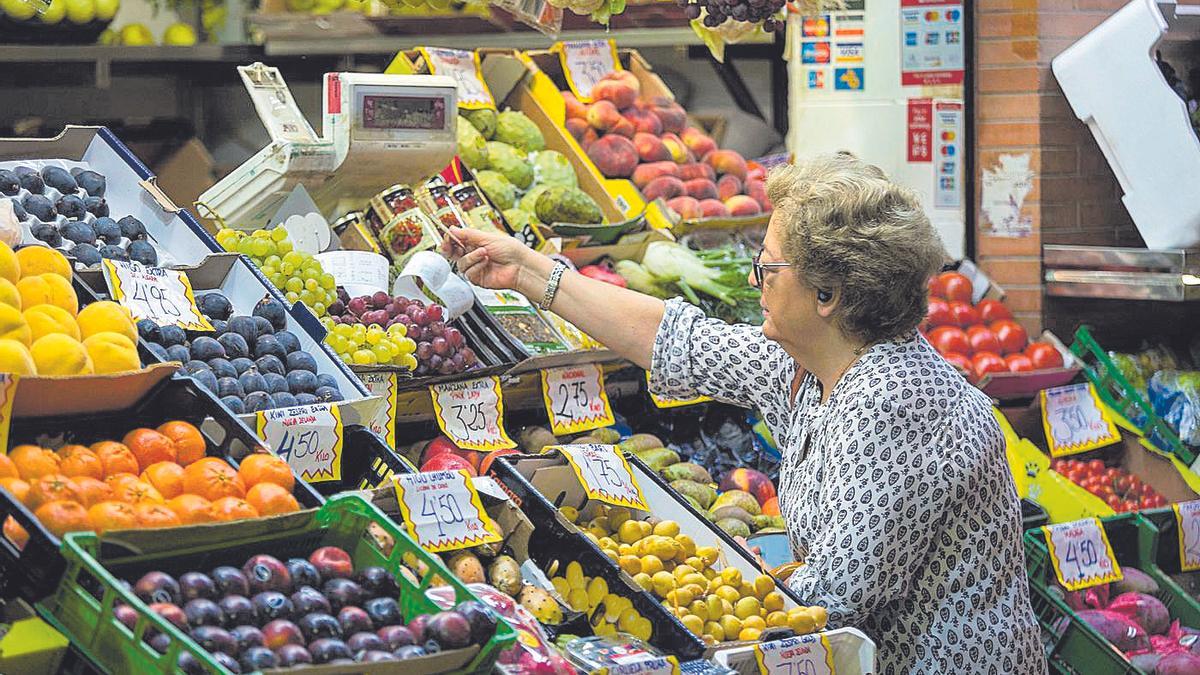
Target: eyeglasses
<point>760,267</point>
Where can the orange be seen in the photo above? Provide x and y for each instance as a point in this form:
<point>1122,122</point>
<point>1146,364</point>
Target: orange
<point>116,457</point>
<point>18,488</point>
<point>270,499</point>
<point>54,487</point>
<point>92,491</point>
<point>118,480</point>
<point>150,514</point>
<point>106,516</point>
<point>150,447</point>
<point>7,468</point>
<point>166,477</point>
<point>15,533</point>
<point>80,462</point>
<point>261,467</point>
<point>191,509</point>
<point>61,517</point>
<point>189,442</point>
<point>212,479</point>
<point>33,462</point>
<point>232,508</point>
<point>134,491</point>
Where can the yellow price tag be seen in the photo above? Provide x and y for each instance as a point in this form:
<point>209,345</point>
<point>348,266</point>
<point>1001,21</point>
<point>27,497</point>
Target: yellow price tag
<point>604,474</point>
<point>1187,518</point>
<point>462,66</point>
<point>798,655</point>
<point>1075,421</point>
<point>471,413</point>
<point>443,512</point>
<point>585,63</point>
<point>1081,554</point>
<point>8,393</point>
<point>308,437</point>
<point>161,295</point>
<point>383,384</point>
<point>575,399</point>
<point>664,403</point>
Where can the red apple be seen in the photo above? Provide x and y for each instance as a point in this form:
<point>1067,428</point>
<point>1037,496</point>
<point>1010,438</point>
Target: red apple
<point>448,462</point>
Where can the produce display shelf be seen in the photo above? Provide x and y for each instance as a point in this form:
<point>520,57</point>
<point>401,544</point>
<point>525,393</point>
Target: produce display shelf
<point>1109,272</point>
<point>114,54</point>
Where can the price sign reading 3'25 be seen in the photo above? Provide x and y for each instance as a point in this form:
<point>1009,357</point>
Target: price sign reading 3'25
<point>161,295</point>
<point>1187,516</point>
<point>604,474</point>
<point>308,437</point>
<point>443,512</point>
<point>575,399</point>
<point>470,413</point>
<point>799,655</point>
<point>1081,554</point>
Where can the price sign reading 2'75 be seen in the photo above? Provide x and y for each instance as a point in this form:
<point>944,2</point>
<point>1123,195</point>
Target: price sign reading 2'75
<point>604,474</point>
<point>308,437</point>
<point>442,511</point>
<point>471,414</point>
<point>798,655</point>
<point>575,399</point>
<point>1081,554</point>
<point>161,295</point>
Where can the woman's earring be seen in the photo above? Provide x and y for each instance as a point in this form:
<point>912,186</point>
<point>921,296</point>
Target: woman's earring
<point>824,296</point>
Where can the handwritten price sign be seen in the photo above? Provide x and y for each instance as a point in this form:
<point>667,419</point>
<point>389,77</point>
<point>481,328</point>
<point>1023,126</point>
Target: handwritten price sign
<point>643,663</point>
<point>463,67</point>
<point>586,62</point>
<point>8,392</point>
<point>799,655</point>
<point>604,474</point>
<point>163,296</point>
<point>1187,516</point>
<point>383,384</point>
<point>470,414</point>
<point>1081,554</point>
<point>1075,421</point>
<point>575,399</point>
<point>308,437</point>
<point>443,512</point>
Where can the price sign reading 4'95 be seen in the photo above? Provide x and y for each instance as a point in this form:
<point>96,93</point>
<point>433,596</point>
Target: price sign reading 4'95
<point>1081,554</point>
<point>308,437</point>
<point>799,655</point>
<point>470,413</point>
<point>604,474</point>
<point>442,511</point>
<point>575,399</point>
<point>161,295</point>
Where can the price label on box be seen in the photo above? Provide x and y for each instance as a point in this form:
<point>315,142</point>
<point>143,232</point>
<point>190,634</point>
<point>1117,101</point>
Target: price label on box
<point>471,414</point>
<point>604,474</point>
<point>1081,554</point>
<point>384,384</point>
<point>161,295</point>
<point>798,655</point>
<point>443,512</point>
<point>308,437</point>
<point>1187,517</point>
<point>575,399</point>
<point>1075,420</point>
<point>462,66</point>
<point>639,662</point>
<point>663,402</point>
<point>585,63</point>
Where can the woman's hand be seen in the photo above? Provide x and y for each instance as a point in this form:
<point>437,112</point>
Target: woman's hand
<point>498,261</point>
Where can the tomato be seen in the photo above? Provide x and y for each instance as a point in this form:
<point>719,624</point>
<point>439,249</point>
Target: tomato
<point>939,313</point>
<point>1019,363</point>
<point>992,310</point>
<point>948,339</point>
<point>988,362</point>
<point>1095,467</point>
<point>1159,500</point>
<point>964,314</point>
<point>958,360</point>
<point>1011,335</point>
<point>982,339</point>
<point>1044,355</point>
<point>952,286</point>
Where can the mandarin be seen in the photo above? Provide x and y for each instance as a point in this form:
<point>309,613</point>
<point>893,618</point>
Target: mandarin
<point>189,442</point>
<point>33,462</point>
<point>15,533</point>
<point>7,468</point>
<point>166,477</point>
<point>116,457</point>
<point>16,487</point>
<point>61,517</point>
<point>134,491</point>
<point>150,514</point>
<point>81,462</point>
<point>191,509</point>
<point>54,487</point>
<point>110,515</point>
<point>270,499</point>
<point>212,478</point>
<point>92,491</point>
<point>232,508</point>
<point>150,447</point>
<point>262,467</point>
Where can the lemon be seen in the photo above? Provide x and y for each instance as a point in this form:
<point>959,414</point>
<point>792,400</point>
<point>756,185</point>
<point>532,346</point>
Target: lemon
<point>714,630</point>
<point>663,582</point>
<point>710,574</point>
<point>746,608</point>
<point>9,295</point>
<point>578,599</point>
<point>35,260</point>
<point>569,512</point>
<point>179,35</point>
<point>693,623</point>
<point>629,532</point>
<point>820,615</point>
<point>732,576</point>
<point>46,319</point>
<point>777,619</point>
<point>54,14</point>
<point>666,528</point>
<point>597,588</point>
<point>682,571</point>
<point>763,584</point>
<point>560,584</point>
<point>106,9</point>
<point>631,564</point>
<point>575,574</point>
<point>728,594</point>
<point>644,580</point>
<point>687,546</point>
<point>58,354</point>
<point>651,564</point>
<point>645,528</point>
<point>81,11</point>
<point>21,10</point>
<point>600,523</point>
<point>48,289</point>
<point>626,549</point>
<point>641,628</point>
<point>136,35</point>
<point>730,624</point>
<point>749,634</point>
<point>616,515</point>
<point>14,325</point>
<point>709,554</point>
<point>773,601</point>
<point>606,542</point>
<point>627,617</point>
<point>801,622</point>
<point>112,353</point>
<point>15,358</point>
<point>106,316</point>
<point>700,609</point>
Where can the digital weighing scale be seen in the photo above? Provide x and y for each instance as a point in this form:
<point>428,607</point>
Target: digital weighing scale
<point>379,130</point>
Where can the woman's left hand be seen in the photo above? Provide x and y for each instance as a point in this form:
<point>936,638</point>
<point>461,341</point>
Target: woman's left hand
<point>754,551</point>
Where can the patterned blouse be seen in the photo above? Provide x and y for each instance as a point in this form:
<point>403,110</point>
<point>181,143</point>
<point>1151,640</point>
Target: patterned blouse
<point>896,493</point>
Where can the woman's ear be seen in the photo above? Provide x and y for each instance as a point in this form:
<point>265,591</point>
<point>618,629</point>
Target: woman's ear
<point>827,302</point>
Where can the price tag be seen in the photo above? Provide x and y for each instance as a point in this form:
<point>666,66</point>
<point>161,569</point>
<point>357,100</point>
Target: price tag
<point>575,399</point>
<point>383,383</point>
<point>308,437</point>
<point>161,295</point>
<point>1075,421</point>
<point>642,663</point>
<point>463,67</point>
<point>1187,517</point>
<point>8,393</point>
<point>585,63</point>
<point>471,414</point>
<point>604,474</point>
<point>1081,554</point>
<point>664,403</point>
<point>443,512</point>
<point>799,655</point>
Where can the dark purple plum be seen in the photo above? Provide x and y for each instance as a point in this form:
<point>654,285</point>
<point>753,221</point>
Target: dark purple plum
<point>215,639</point>
<point>396,637</point>
<point>203,612</point>
<point>291,654</point>
<point>308,600</point>
<point>303,573</point>
<point>450,630</point>
<point>126,615</point>
<point>365,642</point>
<point>281,632</point>
<point>258,658</point>
<point>230,581</point>
<point>197,585</point>
<point>228,663</point>
<point>327,650</point>
<point>248,636</point>
<point>410,652</point>
<point>373,656</point>
<point>432,646</point>
<point>189,664</point>
<point>160,642</point>
<point>481,618</point>
<point>237,609</point>
<point>267,573</point>
<point>355,620</point>
<point>158,587</point>
<point>343,593</point>
<point>377,581</point>
<point>383,611</point>
<point>171,613</point>
<point>318,625</point>
<point>417,626</point>
<point>271,605</point>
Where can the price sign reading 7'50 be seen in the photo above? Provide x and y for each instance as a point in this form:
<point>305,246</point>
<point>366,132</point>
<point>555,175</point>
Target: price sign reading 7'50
<point>604,474</point>
<point>471,414</point>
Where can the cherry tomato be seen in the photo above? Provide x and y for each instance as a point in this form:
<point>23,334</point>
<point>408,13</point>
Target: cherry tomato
<point>1115,503</point>
<point>992,310</point>
<point>1147,503</point>
<point>964,314</point>
<point>1095,466</point>
<point>959,361</point>
<point>938,313</point>
<point>948,339</point>
<point>1159,500</point>
<point>988,362</point>
<point>1019,363</point>
<point>1044,355</point>
<point>982,339</point>
<point>952,286</point>
<point>1012,335</point>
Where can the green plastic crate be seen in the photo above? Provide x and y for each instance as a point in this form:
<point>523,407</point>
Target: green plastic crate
<point>1072,646</point>
<point>82,606</point>
<point>1121,396</point>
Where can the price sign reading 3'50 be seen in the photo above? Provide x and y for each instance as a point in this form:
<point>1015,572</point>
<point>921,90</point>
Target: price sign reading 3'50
<point>442,511</point>
<point>161,295</point>
<point>470,413</point>
<point>1081,554</point>
<point>308,437</point>
<point>604,474</point>
<point>575,399</point>
<point>799,655</point>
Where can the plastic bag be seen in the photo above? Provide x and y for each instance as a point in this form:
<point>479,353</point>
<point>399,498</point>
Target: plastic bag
<point>1175,397</point>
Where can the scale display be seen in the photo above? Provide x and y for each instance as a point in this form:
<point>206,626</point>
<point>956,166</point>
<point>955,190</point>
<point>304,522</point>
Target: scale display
<point>403,112</point>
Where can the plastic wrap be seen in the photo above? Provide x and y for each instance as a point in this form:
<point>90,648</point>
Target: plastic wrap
<point>1175,397</point>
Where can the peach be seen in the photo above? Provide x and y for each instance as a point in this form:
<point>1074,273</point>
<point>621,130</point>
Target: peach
<point>627,78</point>
<point>650,148</point>
<point>686,207</point>
<point>678,150</point>
<point>701,188</point>
<point>713,208</point>
<point>727,162</point>
<point>757,190</point>
<point>575,109</point>
<point>663,187</point>
<point>728,186</point>
<point>670,113</point>
<point>742,205</point>
<point>576,126</point>
<point>644,121</point>
<point>624,128</point>
<point>645,173</point>
<point>690,171</point>
<point>620,93</point>
<point>614,156</point>
<point>756,171</point>
<point>603,115</point>
<point>590,136</point>
<point>696,141</point>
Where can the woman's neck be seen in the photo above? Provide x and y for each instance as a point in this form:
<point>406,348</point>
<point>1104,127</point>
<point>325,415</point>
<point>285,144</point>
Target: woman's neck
<point>828,360</point>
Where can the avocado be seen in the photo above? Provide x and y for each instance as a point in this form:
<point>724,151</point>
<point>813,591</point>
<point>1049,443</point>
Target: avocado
<point>698,491</point>
<point>760,523</point>
<point>724,512</point>
<point>687,471</point>
<point>639,442</point>
<point>745,500</point>
<point>658,458</point>
<point>734,527</point>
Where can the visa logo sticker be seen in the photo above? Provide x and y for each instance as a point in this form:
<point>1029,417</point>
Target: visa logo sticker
<point>848,79</point>
<point>814,52</point>
<point>850,52</point>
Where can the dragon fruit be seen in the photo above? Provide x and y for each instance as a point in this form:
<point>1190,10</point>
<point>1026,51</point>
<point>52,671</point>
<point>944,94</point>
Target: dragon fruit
<point>1147,610</point>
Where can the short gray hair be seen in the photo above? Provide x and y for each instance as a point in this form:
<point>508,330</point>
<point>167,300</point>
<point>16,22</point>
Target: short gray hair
<point>846,227</point>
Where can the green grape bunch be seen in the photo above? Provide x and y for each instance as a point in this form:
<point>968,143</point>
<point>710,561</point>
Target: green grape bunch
<point>371,345</point>
<point>297,274</point>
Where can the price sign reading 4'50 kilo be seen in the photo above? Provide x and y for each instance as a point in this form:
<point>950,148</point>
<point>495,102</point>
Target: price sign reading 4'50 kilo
<point>604,474</point>
<point>308,437</point>
<point>575,399</point>
<point>442,511</point>
<point>1187,516</point>
<point>1081,554</point>
<point>471,414</point>
<point>161,295</point>
<point>799,655</point>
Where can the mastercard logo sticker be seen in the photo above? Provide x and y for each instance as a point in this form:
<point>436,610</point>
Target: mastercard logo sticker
<point>931,15</point>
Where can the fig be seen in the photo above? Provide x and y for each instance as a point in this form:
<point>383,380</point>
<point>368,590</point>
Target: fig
<point>194,585</point>
<point>126,615</point>
<point>160,642</point>
<point>396,637</point>
<point>271,605</point>
<point>377,581</point>
<point>238,610</point>
<point>293,654</point>
<point>215,639</point>
<point>171,613</point>
<point>326,650</point>
<point>417,627</point>
<point>303,573</point>
<point>307,600</point>
<point>365,641</point>
<point>343,593</point>
<point>318,625</point>
<point>332,562</point>
<point>383,611</point>
<point>230,581</point>
<point>189,665</point>
<point>280,633</point>
<point>450,630</point>
<point>158,587</point>
<point>227,662</point>
<point>267,573</point>
<point>355,619</point>
<point>203,612</point>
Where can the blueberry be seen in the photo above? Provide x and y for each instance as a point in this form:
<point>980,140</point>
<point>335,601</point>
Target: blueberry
<point>206,379</point>
<point>306,399</point>
<point>171,335</point>
<point>149,331</point>
<point>327,394</point>
<point>326,380</point>
<point>229,386</point>
<point>283,400</point>
<point>158,351</point>
<point>244,326</point>
<point>132,228</point>
<point>267,344</point>
<point>46,232</point>
<point>301,361</point>
<point>96,206</point>
<point>71,206</point>
<point>179,353</point>
<point>273,311</point>
<point>275,382</point>
<point>10,183</point>
<point>264,326</point>
<point>59,179</point>
<point>215,305</point>
<point>18,210</point>
<point>234,404</point>
<point>251,381</point>
<point>107,229</point>
<point>235,345</point>
<point>288,339</point>
<point>242,364</point>
<point>205,348</point>
<point>222,368</point>
<point>79,232</point>
<point>114,253</point>
<point>92,182</point>
<point>302,382</point>
<point>41,207</point>
<point>31,180</point>
<point>258,400</point>
<point>143,252</point>
<point>86,254</point>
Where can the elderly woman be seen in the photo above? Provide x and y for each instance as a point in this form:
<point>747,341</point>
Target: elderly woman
<point>894,483</point>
